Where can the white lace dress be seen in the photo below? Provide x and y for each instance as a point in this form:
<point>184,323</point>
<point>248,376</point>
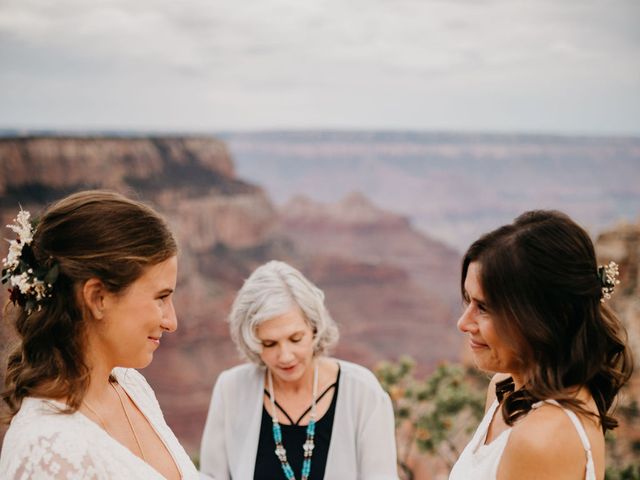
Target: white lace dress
<point>44,444</point>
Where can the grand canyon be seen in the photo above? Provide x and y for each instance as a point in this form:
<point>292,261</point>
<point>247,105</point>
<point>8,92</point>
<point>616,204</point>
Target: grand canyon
<point>391,285</point>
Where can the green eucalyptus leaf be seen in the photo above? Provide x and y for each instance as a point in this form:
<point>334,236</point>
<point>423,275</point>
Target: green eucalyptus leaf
<point>30,305</point>
<point>52,275</point>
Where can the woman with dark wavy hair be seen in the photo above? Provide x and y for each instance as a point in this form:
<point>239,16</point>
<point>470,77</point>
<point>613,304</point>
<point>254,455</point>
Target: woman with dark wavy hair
<point>536,314</point>
<point>92,287</point>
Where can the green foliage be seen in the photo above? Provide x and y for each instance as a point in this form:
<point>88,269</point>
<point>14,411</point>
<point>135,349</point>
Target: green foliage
<point>436,414</point>
<point>632,472</point>
<point>629,410</point>
<point>623,447</point>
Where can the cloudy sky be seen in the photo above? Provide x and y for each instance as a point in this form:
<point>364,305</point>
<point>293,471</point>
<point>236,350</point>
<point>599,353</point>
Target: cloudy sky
<point>565,66</point>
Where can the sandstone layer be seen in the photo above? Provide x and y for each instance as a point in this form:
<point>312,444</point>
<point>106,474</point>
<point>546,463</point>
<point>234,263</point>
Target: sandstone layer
<point>369,263</point>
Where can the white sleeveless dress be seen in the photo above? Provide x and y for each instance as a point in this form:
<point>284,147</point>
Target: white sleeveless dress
<point>44,444</point>
<point>480,462</point>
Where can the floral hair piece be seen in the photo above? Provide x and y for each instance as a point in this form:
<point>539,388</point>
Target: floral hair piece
<point>30,284</point>
<point>608,275</point>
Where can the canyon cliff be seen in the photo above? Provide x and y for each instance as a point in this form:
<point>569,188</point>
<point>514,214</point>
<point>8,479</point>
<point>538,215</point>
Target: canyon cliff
<point>622,245</point>
<point>390,288</point>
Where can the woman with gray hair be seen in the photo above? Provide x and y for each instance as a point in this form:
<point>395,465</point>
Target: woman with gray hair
<point>292,412</point>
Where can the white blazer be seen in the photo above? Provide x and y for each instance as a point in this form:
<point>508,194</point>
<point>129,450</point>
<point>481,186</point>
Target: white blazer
<point>362,440</point>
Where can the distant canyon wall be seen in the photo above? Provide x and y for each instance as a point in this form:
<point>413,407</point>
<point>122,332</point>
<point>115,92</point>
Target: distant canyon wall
<point>226,227</point>
<point>392,289</point>
<point>453,186</point>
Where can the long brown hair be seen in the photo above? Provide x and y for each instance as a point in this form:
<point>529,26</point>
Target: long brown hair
<point>90,234</point>
<point>540,281</point>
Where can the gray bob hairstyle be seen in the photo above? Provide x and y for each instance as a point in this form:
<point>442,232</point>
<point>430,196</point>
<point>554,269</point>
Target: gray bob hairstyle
<point>274,289</point>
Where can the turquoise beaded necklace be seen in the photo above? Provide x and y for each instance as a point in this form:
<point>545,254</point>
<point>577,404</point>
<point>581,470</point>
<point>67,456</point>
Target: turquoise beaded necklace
<point>280,451</point>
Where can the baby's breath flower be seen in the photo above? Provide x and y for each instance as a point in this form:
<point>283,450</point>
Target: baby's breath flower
<point>22,227</point>
<point>608,275</point>
<point>13,257</point>
<point>21,270</point>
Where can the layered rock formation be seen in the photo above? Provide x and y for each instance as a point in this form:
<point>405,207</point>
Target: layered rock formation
<point>355,228</point>
<point>454,186</point>
<point>622,245</point>
<point>193,183</point>
<point>63,163</point>
<point>406,282</point>
<point>226,227</point>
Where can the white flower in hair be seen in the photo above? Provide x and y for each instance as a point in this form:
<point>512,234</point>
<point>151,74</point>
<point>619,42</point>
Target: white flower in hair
<point>31,283</point>
<point>608,275</point>
<point>22,227</point>
<point>13,257</point>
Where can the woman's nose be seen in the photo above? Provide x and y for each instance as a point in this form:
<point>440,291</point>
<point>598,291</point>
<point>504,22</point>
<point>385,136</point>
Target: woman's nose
<point>285,354</point>
<point>169,320</point>
<point>466,322</point>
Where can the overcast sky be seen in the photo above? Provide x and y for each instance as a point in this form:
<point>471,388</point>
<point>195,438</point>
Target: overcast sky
<point>565,66</point>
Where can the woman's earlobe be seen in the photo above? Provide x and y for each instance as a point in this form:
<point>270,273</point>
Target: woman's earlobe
<point>93,293</point>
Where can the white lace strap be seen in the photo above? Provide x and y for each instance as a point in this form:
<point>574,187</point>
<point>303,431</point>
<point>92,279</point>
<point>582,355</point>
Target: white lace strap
<point>590,473</point>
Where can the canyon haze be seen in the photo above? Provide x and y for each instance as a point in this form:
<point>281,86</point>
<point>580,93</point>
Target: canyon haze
<point>452,186</point>
<point>377,220</point>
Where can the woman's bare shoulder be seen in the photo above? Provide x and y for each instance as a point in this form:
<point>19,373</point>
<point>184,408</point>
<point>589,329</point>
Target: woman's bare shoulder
<point>543,445</point>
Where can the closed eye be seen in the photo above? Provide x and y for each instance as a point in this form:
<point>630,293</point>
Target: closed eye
<point>482,307</point>
<point>164,294</point>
